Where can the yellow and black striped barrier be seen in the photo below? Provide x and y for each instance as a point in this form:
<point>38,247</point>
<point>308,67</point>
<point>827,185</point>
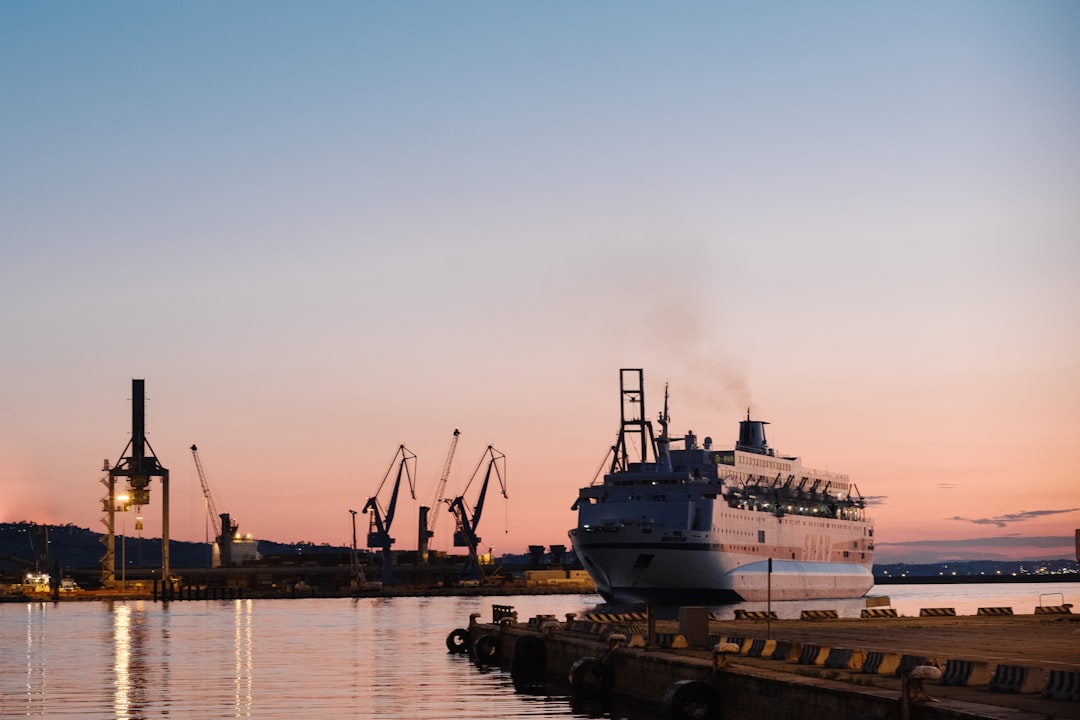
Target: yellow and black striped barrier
<point>966,672</point>
<point>908,663</point>
<point>1065,609</point>
<point>879,613</point>
<point>782,651</point>
<point>937,612</point>
<point>812,654</point>
<point>1063,685</point>
<point>1017,679</point>
<point>616,617</point>
<point>994,611</point>
<point>755,615</point>
<point>671,641</point>
<point>587,626</point>
<point>819,615</point>
<point>880,663</point>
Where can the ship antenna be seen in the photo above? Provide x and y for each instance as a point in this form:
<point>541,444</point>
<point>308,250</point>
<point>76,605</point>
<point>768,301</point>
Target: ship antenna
<point>663,443</point>
<point>664,419</point>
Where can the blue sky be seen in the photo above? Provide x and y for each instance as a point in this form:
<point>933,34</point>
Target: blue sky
<point>320,231</point>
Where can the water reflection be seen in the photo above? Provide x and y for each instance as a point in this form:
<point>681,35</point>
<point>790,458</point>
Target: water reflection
<point>331,659</point>
<point>242,663</point>
<point>36,678</point>
<point>121,652</point>
<point>130,661</point>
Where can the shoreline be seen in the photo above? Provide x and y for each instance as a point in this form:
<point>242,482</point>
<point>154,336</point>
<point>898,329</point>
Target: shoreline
<point>202,592</point>
<point>976,579</point>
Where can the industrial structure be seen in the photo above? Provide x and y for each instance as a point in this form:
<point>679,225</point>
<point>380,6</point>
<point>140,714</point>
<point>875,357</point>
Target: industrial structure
<point>427,532</point>
<point>468,521</point>
<point>232,555</point>
<point>229,548</point>
<point>382,519</point>
<point>139,466</point>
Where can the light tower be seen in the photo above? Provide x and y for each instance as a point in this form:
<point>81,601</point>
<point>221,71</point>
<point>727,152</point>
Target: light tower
<point>139,465</point>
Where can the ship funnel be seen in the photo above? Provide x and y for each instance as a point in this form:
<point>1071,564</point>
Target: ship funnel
<point>752,436</point>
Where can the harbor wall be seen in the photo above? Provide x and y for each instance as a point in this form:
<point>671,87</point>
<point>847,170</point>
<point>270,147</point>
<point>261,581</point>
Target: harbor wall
<point>739,694</point>
<point>746,678</point>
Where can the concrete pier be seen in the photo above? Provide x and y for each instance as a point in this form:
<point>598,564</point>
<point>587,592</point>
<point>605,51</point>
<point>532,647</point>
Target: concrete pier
<point>998,667</point>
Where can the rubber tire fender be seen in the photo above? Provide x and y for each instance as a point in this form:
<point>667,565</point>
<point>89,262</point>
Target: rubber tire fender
<point>487,650</point>
<point>687,699</point>
<point>588,677</point>
<point>457,642</point>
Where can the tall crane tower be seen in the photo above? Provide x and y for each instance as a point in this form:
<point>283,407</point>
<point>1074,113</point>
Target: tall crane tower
<point>139,465</point>
<point>382,520</point>
<point>426,533</point>
<point>468,522</point>
<point>223,526</point>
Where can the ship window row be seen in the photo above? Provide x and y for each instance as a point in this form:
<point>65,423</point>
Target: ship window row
<point>790,520</point>
<point>737,548</point>
<point>661,481</point>
<point>828,525</point>
<point>762,462</point>
<point>728,531</point>
<point>754,549</point>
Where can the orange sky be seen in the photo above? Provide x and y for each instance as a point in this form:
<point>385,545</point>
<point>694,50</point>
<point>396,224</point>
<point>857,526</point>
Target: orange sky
<point>294,476</point>
<point>320,237</point>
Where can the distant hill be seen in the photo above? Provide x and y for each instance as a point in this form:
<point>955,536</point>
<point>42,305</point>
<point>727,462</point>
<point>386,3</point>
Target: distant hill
<point>27,546</point>
<point>994,548</point>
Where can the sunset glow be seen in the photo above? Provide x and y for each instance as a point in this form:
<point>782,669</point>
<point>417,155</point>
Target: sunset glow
<point>320,234</point>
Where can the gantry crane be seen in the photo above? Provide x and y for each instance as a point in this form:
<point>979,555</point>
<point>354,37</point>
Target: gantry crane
<point>465,532</point>
<point>426,533</point>
<point>379,527</point>
<point>139,468</point>
<point>222,524</point>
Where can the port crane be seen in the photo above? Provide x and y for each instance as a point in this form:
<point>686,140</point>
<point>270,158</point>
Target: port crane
<point>139,468</point>
<point>468,522</point>
<point>222,524</point>
<point>381,520</point>
<point>426,532</point>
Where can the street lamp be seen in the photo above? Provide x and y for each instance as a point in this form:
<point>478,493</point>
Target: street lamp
<point>352,558</point>
<point>123,506</point>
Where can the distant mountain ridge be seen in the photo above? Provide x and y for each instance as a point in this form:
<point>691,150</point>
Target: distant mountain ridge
<point>1004,548</point>
<point>23,547</point>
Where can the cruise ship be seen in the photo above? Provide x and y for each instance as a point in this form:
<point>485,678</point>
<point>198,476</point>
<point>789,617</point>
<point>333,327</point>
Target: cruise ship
<point>677,521</point>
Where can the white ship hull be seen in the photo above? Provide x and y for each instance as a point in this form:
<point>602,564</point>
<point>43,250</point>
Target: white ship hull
<point>632,565</point>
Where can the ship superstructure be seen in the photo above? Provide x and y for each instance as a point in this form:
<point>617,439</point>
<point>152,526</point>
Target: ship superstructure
<point>684,521</point>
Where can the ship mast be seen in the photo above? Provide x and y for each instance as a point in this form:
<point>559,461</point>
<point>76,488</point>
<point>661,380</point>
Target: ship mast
<point>633,422</point>
<point>663,443</point>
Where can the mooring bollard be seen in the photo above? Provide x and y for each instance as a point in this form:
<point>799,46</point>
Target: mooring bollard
<point>912,691</point>
<point>721,651</point>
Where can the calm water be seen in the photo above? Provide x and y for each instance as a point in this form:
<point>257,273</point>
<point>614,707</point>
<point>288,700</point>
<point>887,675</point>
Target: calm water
<point>320,658</point>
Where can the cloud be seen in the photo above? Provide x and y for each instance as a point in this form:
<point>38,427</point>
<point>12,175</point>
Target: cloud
<point>1004,520</point>
<point>875,499</point>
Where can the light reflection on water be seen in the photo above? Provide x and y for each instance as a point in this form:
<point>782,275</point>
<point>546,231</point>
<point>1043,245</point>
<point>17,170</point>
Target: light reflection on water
<point>122,641</point>
<point>242,662</point>
<point>377,658</point>
<point>325,658</point>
